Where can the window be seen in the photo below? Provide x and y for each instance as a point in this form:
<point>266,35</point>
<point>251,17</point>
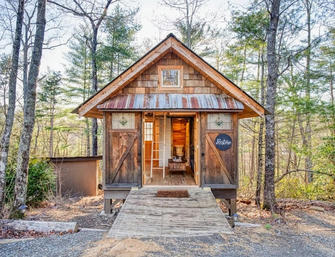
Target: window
<point>123,121</point>
<point>170,76</point>
<point>220,121</point>
<point>148,131</point>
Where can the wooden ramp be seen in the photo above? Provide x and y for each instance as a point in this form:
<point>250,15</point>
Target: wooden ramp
<point>145,215</point>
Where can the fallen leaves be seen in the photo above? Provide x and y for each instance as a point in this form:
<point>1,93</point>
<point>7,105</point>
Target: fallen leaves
<point>10,233</point>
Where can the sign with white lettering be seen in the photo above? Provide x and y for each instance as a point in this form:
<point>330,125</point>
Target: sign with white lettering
<point>223,142</point>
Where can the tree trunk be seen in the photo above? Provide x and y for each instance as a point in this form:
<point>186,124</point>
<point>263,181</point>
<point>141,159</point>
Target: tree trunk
<point>88,142</point>
<point>260,160</point>
<point>331,85</point>
<point>51,138</point>
<point>36,138</point>
<point>269,186</point>
<point>25,63</point>
<point>244,65</point>
<point>308,130</point>
<point>94,88</point>
<point>29,110</point>
<point>5,138</point>
<point>188,25</point>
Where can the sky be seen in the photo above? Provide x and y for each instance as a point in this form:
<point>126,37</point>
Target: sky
<point>151,13</point>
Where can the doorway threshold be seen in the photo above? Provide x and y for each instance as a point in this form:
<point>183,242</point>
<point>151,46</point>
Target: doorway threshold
<point>171,186</point>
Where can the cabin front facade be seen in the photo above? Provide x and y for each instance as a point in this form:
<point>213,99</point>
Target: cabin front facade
<point>170,120</point>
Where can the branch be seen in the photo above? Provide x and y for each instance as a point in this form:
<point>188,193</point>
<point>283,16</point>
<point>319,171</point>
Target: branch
<point>287,7</point>
<point>74,12</point>
<point>104,13</point>
<point>302,170</point>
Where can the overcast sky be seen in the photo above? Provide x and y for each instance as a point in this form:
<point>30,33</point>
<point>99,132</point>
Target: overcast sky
<point>151,16</point>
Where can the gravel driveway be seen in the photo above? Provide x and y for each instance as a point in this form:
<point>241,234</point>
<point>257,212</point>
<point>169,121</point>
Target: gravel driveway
<point>65,245</point>
<point>245,242</point>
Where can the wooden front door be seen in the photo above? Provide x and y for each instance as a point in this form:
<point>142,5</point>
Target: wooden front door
<point>218,167</point>
<point>123,153</point>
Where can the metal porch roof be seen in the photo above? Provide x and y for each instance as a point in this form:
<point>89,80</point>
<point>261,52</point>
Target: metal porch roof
<point>171,101</point>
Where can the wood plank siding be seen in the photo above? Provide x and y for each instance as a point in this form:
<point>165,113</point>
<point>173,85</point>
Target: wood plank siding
<point>193,81</point>
<point>122,153</point>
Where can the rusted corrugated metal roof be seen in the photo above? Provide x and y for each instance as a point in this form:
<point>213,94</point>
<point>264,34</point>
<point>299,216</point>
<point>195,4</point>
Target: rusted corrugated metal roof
<point>171,101</point>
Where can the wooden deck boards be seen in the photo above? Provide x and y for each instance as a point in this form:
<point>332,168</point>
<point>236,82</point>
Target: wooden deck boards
<point>145,215</point>
<point>171,179</point>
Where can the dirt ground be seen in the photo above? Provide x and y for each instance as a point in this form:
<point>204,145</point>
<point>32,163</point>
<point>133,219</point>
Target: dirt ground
<point>83,210</point>
<point>295,215</point>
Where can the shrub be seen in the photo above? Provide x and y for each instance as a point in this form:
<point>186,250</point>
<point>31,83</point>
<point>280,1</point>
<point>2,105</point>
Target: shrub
<point>322,188</point>
<point>41,182</point>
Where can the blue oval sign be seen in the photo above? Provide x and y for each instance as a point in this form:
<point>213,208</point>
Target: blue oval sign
<point>223,142</point>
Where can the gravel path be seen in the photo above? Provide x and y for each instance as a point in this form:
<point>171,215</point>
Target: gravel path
<point>245,242</point>
<point>65,245</point>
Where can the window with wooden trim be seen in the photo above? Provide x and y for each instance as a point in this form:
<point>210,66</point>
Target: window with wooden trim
<point>170,77</point>
<point>148,131</point>
<point>219,121</point>
<point>123,121</point>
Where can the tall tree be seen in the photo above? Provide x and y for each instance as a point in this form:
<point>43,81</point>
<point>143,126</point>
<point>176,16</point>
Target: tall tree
<point>85,9</point>
<point>248,50</point>
<point>78,75</point>
<point>29,109</point>
<point>5,138</point>
<point>49,97</point>
<point>273,74</point>
<point>118,50</point>
<point>307,132</point>
<point>5,65</point>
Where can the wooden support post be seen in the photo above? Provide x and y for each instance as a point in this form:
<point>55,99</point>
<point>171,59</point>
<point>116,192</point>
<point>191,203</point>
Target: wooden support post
<point>152,144</point>
<point>232,207</point>
<point>108,206</point>
<point>164,147</point>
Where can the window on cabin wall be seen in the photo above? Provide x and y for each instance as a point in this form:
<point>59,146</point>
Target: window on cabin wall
<point>123,121</point>
<point>148,131</point>
<point>219,121</point>
<point>170,77</point>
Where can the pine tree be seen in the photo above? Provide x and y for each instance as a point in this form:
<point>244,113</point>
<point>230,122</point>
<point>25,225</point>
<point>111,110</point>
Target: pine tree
<point>48,97</point>
<point>118,50</point>
<point>78,76</point>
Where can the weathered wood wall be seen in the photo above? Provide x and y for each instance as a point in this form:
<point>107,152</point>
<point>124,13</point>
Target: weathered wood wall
<point>122,153</point>
<point>193,81</point>
<point>218,167</point>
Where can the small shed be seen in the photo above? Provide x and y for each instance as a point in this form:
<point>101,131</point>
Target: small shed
<point>171,119</point>
<point>77,176</point>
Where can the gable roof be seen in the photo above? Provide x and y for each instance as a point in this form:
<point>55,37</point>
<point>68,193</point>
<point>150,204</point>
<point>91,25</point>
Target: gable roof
<point>170,43</point>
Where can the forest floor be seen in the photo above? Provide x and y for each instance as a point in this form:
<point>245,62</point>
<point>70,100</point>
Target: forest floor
<point>304,228</point>
<point>83,210</point>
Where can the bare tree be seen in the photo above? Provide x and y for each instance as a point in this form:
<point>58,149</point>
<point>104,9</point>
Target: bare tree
<point>5,138</point>
<point>53,30</point>
<point>91,12</point>
<point>273,74</point>
<point>29,109</point>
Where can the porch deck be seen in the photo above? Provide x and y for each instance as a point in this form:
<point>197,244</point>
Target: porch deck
<point>180,179</point>
<point>145,215</point>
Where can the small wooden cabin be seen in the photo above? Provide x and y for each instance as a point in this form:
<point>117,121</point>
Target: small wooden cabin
<point>171,119</point>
